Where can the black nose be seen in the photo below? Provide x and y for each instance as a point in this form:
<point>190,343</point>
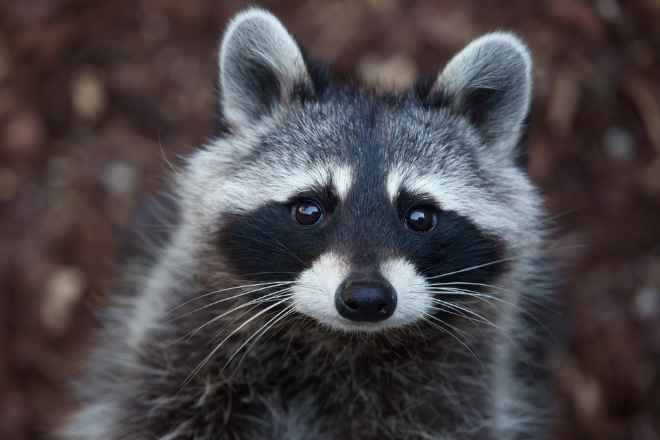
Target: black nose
<point>368,301</point>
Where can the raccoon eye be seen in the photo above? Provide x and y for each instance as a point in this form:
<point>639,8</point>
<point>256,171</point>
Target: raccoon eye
<point>307,213</point>
<point>420,219</point>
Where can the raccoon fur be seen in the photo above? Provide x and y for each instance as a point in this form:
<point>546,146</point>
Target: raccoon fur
<point>346,263</point>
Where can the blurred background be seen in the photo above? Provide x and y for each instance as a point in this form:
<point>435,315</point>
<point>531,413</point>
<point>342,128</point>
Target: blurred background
<point>96,96</point>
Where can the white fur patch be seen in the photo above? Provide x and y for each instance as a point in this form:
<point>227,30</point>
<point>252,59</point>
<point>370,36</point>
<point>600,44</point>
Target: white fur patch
<point>314,291</point>
<point>314,294</point>
<point>242,195</point>
<point>342,178</point>
<point>413,297</point>
<point>246,190</point>
<point>394,182</point>
<point>458,193</point>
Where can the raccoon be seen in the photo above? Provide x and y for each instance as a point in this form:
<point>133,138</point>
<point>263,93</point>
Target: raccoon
<point>346,263</point>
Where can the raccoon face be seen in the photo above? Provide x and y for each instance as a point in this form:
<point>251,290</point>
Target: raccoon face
<point>377,211</point>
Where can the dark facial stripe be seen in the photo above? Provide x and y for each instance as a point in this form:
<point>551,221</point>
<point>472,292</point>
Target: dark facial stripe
<point>453,246</point>
<point>268,244</point>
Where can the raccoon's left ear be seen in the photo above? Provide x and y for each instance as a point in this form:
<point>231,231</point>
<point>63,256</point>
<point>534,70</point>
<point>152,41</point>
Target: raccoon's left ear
<point>260,67</point>
<point>490,83</point>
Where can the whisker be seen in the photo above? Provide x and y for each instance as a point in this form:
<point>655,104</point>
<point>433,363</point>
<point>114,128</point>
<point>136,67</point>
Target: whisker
<point>262,331</point>
<point>472,321</point>
<point>273,284</point>
<point>214,303</point>
<point>472,268</point>
<point>448,332</point>
<point>463,309</point>
<point>217,347</point>
<point>487,298</point>
<point>483,320</point>
<point>269,297</point>
<point>502,289</point>
<point>295,274</point>
<point>480,296</point>
<point>169,164</point>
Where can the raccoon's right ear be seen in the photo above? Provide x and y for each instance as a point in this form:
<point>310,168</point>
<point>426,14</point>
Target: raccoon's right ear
<point>489,83</point>
<point>260,67</point>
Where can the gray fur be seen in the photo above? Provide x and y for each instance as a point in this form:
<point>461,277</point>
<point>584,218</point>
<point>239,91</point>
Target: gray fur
<point>197,352</point>
<point>498,65</point>
<point>253,43</point>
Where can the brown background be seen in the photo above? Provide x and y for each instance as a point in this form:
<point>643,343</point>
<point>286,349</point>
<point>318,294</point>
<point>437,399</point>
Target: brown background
<point>95,95</point>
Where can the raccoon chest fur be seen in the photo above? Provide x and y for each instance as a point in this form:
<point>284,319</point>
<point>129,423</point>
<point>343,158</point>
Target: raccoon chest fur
<point>344,264</point>
<point>288,390</point>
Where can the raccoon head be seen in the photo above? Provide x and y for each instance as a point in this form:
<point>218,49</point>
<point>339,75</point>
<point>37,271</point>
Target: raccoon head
<point>375,211</point>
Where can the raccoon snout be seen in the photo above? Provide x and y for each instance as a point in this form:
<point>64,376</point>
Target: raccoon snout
<point>370,301</point>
